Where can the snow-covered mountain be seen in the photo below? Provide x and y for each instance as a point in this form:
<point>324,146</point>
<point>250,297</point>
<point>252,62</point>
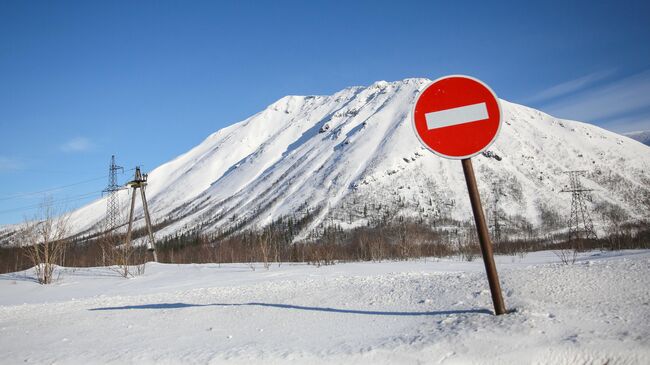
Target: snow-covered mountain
<point>641,136</point>
<point>352,158</point>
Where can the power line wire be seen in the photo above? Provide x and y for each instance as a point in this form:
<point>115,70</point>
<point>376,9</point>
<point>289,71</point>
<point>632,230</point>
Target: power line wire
<point>22,195</point>
<point>58,201</point>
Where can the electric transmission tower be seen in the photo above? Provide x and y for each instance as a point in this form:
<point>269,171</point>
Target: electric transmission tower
<point>580,224</point>
<point>113,201</point>
<point>140,182</point>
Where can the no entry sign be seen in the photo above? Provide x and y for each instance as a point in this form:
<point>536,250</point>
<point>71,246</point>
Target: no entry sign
<point>457,116</point>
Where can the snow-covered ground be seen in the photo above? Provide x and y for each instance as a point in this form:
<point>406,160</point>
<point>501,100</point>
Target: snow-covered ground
<point>435,311</point>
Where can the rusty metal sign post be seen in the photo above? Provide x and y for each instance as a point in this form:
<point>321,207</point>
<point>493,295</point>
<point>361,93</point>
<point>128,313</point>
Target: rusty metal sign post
<point>458,117</point>
<point>484,238</point>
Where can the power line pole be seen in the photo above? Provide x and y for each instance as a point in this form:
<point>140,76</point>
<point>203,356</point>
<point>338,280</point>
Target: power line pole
<point>580,224</point>
<point>140,182</point>
<point>112,201</point>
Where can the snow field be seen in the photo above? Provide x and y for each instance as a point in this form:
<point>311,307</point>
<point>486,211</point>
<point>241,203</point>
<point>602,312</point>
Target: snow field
<point>439,311</point>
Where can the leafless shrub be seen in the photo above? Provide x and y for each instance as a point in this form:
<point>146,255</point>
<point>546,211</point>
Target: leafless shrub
<point>44,240</point>
<point>568,251</point>
<point>466,242</point>
<point>466,251</point>
<point>567,256</point>
<point>124,259</point>
<point>614,217</point>
<point>265,248</point>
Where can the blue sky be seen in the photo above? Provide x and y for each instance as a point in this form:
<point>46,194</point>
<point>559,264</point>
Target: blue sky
<point>148,80</point>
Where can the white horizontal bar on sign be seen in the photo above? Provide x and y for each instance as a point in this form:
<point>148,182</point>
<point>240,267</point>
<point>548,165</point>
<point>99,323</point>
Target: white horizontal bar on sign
<point>455,116</point>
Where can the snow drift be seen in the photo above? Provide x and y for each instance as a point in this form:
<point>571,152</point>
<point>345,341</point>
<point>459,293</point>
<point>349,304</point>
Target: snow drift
<point>407,312</point>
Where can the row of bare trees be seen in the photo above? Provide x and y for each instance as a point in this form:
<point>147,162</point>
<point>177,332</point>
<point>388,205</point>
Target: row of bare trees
<point>44,245</point>
<point>401,241</point>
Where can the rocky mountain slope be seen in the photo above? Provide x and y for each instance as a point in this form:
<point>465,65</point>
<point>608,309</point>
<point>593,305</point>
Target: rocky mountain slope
<point>352,159</point>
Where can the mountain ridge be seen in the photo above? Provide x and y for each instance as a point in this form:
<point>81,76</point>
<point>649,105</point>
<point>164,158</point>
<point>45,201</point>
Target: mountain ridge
<point>352,159</point>
<point>641,136</point>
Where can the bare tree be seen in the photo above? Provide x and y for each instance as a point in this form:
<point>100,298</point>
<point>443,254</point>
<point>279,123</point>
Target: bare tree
<point>45,239</point>
<point>125,259</point>
<point>567,255</point>
<point>615,218</point>
<point>466,245</point>
<point>265,247</point>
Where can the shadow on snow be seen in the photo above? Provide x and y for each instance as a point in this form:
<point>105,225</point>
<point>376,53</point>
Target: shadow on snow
<point>299,307</point>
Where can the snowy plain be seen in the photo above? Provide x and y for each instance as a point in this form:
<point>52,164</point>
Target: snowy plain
<point>434,311</point>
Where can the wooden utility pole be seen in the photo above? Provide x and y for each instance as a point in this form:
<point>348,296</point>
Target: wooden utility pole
<point>140,182</point>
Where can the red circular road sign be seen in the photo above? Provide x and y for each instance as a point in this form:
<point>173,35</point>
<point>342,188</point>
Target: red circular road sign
<point>457,116</point>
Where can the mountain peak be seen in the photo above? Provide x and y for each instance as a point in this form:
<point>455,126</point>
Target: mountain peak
<point>641,136</point>
<point>352,159</point>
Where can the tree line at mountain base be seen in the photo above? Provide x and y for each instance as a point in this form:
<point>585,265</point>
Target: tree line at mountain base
<point>404,240</point>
